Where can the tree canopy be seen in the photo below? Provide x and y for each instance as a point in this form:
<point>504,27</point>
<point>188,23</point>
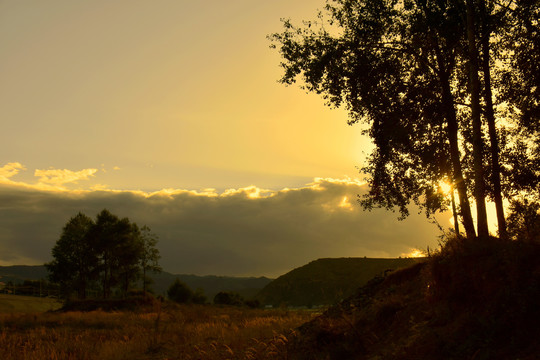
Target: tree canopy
<point>104,254</point>
<point>428,80</point>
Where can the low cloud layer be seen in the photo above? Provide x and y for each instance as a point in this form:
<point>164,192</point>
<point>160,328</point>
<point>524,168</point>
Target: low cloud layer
<point>248,231</point>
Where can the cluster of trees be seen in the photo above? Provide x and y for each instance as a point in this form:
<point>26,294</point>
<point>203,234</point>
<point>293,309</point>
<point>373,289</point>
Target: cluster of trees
<point>449,91</point>
<point>102,255</point>
<point>181,293</point>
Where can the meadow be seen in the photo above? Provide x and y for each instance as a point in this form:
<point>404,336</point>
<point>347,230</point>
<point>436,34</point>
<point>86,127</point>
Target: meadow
<point>26,304</point>
<point>167,331</point>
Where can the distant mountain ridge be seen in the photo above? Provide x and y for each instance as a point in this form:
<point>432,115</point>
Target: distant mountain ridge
<point>320,282</point>
<point>211,285</point>
<point>326,281</point>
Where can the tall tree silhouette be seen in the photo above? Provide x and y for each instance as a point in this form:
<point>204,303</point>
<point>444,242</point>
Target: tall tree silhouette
<point>410,70</point>
<point>74,263</point>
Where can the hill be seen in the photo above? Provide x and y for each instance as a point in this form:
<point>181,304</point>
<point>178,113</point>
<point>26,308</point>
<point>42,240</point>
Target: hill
<point>474,300</point>
<point>326,281</point>
<point>19,273</point>
<point>211,285</point>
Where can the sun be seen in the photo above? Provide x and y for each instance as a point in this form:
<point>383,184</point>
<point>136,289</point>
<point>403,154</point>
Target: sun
<point>445,187</point>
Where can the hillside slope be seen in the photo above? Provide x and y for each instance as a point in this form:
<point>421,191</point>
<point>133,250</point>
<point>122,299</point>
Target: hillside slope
<point>473,301</point>
<point>326,281</point>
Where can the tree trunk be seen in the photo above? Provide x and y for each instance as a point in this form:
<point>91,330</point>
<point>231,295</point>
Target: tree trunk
<point>452,128</point>
<point>454,211</point>
<point>490,117</point>
<point>474,90</point>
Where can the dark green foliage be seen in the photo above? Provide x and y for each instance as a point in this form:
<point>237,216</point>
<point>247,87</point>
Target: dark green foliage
<point>106,254</point>
<point>247,287</point>
<point>326,281</point>
<point>179,292</point>
<point>253,303</point>
<point>524,221</point>
<point>198,297</point>
<point>420,75</point>
<point>74,261</point>
<point>228,298</point>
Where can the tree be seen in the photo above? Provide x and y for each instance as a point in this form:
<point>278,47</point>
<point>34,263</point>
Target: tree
<point>179,292</point>
<point>410,70</point>
<point>524,221</point>
<point>111,250</point>
<point>73,267</point>
<point>228,298</point>
<point>115,243</point>
<point>149,255</point>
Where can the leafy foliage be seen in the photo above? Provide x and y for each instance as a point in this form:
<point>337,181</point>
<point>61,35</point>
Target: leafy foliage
<point>104,254</point>
<point>418,74</point>
<point>524,221</point>
<point>179,292</point>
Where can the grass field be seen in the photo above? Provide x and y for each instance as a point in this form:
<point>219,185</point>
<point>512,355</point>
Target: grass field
<point>26,304</point>
<point>171,332</point>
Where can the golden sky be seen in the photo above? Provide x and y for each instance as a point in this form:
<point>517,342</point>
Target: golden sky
<point>160,94</point>
<point>169,112</point>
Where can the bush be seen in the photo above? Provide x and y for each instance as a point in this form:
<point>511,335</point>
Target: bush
<point>228,298</point>
<point>198,297</point>
<point>179,292</point>
<point>254,304</point>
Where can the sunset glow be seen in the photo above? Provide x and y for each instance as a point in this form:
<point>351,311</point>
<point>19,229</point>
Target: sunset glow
<point>171,114</point>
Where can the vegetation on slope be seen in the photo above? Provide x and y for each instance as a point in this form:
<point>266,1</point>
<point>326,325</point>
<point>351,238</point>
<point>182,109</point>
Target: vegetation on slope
<point>473,300</point>
<point>326,281</point>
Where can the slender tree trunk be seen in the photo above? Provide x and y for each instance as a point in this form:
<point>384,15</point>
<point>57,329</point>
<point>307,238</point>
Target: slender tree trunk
<point>454,212</point>
<point>452,128</point>
<point>474,89</point>
<point>490,117</point>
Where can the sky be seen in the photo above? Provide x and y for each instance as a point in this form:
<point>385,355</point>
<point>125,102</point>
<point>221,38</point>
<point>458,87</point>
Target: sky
<point>170,112</point>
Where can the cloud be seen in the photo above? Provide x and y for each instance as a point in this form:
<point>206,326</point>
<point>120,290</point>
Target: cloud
<point>247,231</point>
<point>9,170</point>
<point>58,177</point>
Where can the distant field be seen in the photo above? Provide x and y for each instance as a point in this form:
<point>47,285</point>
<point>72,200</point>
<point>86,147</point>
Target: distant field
<point>26,304</point>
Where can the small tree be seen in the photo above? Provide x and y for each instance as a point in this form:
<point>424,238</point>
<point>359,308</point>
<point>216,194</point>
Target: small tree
<point>75,262</point>
<point>149,255</point>
<point>179,292</point>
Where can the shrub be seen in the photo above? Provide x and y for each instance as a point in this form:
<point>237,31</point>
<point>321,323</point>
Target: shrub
<point>228,298</point>
<point>179,292</point>
<point>198,297</point>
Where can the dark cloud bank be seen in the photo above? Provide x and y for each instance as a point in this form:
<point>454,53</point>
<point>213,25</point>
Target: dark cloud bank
<point>239,232</point>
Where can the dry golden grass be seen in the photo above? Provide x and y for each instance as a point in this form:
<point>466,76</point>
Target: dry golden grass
<point>187,332</point>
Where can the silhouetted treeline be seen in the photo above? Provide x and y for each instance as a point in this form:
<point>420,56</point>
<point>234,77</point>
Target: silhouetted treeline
<point>106,256</point>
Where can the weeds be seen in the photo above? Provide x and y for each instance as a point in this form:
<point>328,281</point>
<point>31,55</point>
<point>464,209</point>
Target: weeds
<point>167,332</point>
